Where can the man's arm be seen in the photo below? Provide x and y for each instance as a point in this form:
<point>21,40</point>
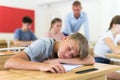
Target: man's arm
<point>67,27</point>
<point>86,27</point>
<point>22,61</point>
<point>88,60</point>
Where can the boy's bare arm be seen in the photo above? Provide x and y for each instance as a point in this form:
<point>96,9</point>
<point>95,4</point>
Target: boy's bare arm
<point>21,61</point>
<point>88,60</point>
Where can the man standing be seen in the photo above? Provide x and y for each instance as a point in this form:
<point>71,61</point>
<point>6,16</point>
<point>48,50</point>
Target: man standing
<point>75,19</point>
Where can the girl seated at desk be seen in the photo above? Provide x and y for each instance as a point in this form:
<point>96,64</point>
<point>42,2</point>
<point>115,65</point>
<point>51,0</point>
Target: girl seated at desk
<point>108,42</point>
<point>54,31</point>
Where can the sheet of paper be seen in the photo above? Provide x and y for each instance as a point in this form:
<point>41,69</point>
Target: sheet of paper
<point>69,67</point>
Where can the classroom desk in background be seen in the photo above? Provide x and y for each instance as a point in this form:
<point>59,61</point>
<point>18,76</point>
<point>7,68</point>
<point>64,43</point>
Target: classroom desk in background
<point>113,57</point>
<point>94,75</point>
<point>18,49</point>
<point>3,44</point>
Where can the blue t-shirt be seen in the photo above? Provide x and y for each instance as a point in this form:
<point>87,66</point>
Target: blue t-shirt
<point>24,36</point>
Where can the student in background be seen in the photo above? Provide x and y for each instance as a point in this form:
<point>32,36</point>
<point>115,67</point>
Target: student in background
<point>46,54</point>
<point>75,19</point>
<point>108,42</point>
<point>54,31</point>
<point>118,40</point>
<point>24,36</point>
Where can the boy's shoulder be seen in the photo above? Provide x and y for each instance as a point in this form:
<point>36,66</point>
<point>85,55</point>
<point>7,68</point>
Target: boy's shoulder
<point>46,40</point>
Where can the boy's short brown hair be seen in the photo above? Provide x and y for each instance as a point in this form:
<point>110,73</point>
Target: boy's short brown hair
<point>82,43</point>
<point>76,3</point>
<point>27,19</point>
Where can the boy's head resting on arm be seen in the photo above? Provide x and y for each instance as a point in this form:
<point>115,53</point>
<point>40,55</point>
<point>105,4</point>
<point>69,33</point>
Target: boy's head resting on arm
<point>73,46</point>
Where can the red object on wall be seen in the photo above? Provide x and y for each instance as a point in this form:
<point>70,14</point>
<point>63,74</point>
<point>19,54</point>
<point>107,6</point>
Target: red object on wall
<point>11,18</point>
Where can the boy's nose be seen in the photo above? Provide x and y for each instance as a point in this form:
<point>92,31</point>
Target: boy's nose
<point>69,55</point>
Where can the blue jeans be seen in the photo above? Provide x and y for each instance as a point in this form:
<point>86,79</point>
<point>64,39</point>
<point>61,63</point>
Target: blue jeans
<point>102,60</point>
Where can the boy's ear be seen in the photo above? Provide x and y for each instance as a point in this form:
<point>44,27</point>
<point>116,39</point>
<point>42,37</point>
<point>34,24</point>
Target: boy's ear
<point>64,38</point>
<point>81,8</point>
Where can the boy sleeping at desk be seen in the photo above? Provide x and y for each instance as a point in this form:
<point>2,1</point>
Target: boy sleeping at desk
<point>47,54</point>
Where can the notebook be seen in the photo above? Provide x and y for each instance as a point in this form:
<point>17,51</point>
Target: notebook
<point>69,67</point>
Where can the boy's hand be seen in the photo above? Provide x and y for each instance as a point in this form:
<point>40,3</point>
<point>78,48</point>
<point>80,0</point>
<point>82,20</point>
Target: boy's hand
<point>52,67</point>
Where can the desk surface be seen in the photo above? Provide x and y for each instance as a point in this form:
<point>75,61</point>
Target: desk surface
<point>3,42</point>
<point>113,55</point>
<point>7,75</point>
<point>4,56</point>
<point>103,69</point>
<point>7,53</point>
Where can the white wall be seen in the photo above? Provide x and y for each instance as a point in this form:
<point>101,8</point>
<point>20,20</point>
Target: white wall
<point>42,16</point>
<point>19,4</point>
<point>100,12</point>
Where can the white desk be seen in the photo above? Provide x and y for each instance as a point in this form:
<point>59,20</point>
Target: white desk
<point>13,48</point>
<point>113,57</point>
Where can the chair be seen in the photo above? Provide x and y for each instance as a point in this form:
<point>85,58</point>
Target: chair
<point>91,52</point>
<point>3,44</point>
